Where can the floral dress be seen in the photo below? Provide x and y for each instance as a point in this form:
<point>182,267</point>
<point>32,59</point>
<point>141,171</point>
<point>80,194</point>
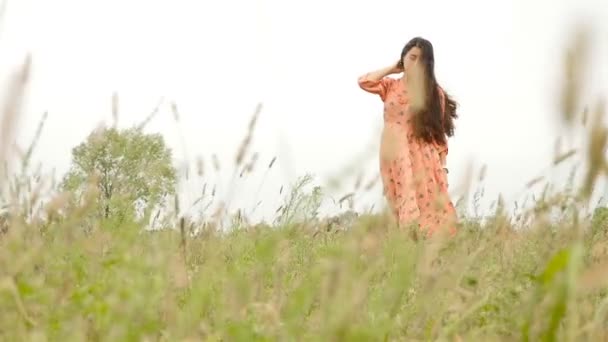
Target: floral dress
<point>413,174</point>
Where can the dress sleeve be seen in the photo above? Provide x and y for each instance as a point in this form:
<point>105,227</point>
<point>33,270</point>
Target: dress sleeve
<point>380,88</point>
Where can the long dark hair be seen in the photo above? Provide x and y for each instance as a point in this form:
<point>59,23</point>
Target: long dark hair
<point>431,125</point>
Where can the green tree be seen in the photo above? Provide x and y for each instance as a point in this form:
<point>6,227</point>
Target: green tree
<point>131,171</point>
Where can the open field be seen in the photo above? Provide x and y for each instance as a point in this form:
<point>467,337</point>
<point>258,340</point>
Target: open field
<point>81,266</point>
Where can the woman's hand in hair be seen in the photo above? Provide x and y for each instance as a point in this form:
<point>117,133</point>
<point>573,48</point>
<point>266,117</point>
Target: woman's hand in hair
<point>397,68</point>
<point>379,74</point>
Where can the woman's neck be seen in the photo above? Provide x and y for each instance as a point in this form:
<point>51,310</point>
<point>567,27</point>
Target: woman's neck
<point>403,79</point>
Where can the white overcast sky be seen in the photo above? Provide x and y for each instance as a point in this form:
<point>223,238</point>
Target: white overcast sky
<point>217,59</point>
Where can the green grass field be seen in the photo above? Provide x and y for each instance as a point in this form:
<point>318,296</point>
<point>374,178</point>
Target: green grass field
<point>369,283</point>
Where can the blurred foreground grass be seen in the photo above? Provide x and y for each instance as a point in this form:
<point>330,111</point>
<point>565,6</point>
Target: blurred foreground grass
<point>369,283</point>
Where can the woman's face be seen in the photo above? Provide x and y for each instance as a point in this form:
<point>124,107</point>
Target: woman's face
<point>411,57</point>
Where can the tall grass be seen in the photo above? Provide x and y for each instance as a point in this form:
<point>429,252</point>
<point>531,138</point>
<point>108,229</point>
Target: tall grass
<point>348,278</point>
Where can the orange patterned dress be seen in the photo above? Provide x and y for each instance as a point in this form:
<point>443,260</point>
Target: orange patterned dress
<point>413,174</point>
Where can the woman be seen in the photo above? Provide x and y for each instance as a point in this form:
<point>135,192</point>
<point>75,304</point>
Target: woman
<point>418,119</point>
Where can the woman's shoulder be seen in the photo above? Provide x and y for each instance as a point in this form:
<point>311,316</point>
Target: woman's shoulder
<point>391,80</point>
<point>391,83</point>
<point>440,91</point>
